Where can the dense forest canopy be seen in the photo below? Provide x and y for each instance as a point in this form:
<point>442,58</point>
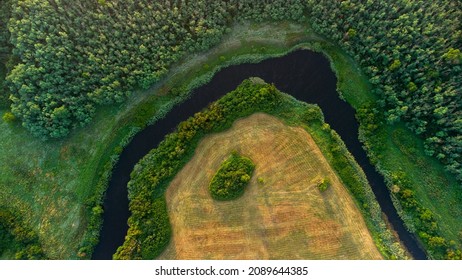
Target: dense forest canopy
<point>411,51</point>
<point>5,48</point>
<point>5,12</point>
<point>76,55</point>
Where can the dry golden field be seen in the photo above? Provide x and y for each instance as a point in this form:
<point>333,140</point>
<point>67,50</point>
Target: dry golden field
<point>283,217</point>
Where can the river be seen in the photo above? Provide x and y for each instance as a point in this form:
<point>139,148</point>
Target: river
<point>304,74</point>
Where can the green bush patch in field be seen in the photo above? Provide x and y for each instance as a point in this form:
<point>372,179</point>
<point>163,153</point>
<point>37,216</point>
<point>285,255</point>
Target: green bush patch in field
<point>324,184</point>
<point>17,240</point>
<point>231,179</point>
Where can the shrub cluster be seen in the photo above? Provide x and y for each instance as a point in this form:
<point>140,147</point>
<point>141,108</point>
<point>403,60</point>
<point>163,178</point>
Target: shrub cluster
<point>423,220</point>
<point>14,236</point>
<point>231,179</point>
<point>324,184</point>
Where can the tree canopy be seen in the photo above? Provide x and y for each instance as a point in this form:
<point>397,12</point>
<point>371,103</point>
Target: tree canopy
<point>231,179</point>
<point>76,55</point>
<point>411,51</point>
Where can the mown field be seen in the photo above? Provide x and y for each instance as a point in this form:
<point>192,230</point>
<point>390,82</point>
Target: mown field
<point>282,214</point>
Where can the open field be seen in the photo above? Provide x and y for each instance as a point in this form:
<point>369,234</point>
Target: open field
<point>283,217</point>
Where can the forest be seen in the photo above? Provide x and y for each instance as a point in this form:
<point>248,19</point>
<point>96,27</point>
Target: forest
<point>75,55</point>
<point>70,57</point>
<point>5,48</point>
<point>411,51</point>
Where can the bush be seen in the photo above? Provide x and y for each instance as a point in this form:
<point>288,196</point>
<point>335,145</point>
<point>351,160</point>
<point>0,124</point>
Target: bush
<point>324,184</point>
<point>261,181</point>
<point>8,117</point>
<point>15,237</point>
<point>231,179</point>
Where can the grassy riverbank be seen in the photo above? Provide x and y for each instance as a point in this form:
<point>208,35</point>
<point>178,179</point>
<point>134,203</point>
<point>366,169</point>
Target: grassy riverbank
<point>56,186</point>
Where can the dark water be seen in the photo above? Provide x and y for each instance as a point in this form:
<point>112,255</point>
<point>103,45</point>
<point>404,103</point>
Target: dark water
<point>307,76</point>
